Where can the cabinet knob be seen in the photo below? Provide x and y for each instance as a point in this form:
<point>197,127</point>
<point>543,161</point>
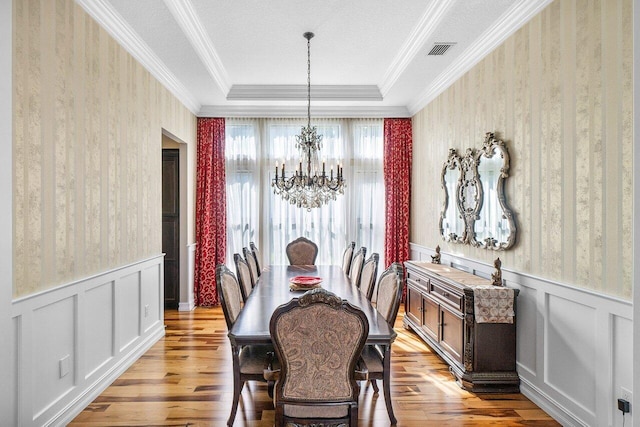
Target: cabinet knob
<point>445,294</point>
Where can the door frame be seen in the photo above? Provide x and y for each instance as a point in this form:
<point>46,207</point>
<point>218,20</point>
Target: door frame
<point>186,298</point>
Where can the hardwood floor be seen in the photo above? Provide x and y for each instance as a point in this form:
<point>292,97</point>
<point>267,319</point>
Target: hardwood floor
<point>185,380</point>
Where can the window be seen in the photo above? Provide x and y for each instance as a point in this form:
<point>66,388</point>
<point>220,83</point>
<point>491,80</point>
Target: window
<point>253,146</point>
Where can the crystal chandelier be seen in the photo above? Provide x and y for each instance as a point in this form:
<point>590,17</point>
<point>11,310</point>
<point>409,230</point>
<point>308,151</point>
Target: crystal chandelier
<point>308,187</point>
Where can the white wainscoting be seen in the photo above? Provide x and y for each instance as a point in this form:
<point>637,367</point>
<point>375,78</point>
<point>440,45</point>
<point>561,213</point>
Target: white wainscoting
<point>574,346</point>
<point>71,342</point>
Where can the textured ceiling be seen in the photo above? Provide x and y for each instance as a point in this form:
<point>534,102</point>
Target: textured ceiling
<point>368,57</point>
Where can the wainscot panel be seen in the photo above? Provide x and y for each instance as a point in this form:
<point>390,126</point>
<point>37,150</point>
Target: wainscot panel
<point>74,340</point>
<point>574,346</point>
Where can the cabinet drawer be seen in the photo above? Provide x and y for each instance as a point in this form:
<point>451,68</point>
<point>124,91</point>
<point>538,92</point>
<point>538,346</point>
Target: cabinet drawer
<point>418,280</point>
<point>451,298</point>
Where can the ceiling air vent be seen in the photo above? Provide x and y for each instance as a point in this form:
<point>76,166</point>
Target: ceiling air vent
<point>440,48</point>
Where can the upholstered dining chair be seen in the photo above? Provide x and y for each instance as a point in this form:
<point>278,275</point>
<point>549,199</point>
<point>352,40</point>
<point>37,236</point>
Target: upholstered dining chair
<point>243,274</point>
<point>347,257</point>
<point>356,265</point>
<point>390,287</point>
<point>318,338</point>
<point>257,256</point>
<point>302,251</point>
<point>252,360</point>
<point>368,275</point>
<point>253,265</point>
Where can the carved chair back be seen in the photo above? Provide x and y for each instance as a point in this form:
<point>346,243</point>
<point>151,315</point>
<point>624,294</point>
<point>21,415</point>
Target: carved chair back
<point>230,294</point>
<point>347,257</point>
<point>302,251</point>
<point>368,275</point>
<point>243,273</point>
<point>318,339</point>
<point>356,266</point>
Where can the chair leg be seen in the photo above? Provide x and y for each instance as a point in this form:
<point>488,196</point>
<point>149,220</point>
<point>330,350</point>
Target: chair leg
<point>237,385</point>
<point>386,380</point>
<point>374,384</point>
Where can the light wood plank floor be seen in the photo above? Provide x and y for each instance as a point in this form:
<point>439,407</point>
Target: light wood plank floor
<point>185,380</point>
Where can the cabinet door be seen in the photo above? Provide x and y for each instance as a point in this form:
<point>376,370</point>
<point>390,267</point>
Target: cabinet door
<point>431,317</point>
<point>452,333</point>
<point>414,305</point>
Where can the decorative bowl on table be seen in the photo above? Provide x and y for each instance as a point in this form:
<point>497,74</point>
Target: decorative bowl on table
<point>304,283</point>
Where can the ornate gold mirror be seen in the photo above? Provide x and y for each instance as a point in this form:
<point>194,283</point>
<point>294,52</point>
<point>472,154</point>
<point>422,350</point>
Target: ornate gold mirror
<point>494,227</point>
<point>475,210</point>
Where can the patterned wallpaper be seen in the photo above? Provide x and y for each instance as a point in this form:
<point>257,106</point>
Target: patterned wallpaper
<point>559,92</point>
<point>88,122</point>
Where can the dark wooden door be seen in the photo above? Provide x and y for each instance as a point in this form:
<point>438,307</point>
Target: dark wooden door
<point>171,226</point>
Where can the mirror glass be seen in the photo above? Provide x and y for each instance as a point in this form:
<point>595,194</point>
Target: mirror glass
<point>451,223</point>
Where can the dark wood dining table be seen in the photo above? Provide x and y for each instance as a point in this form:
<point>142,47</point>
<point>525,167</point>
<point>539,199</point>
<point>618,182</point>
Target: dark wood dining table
<point>272,290</point>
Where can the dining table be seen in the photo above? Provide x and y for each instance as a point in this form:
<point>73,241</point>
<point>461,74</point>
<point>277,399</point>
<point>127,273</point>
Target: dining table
<point>272,290</point>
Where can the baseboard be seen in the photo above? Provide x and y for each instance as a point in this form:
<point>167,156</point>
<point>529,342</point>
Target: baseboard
<point>186,306</point>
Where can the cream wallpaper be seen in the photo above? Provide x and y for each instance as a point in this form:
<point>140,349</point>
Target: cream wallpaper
<point>559,92</point>
<point>88,122</point>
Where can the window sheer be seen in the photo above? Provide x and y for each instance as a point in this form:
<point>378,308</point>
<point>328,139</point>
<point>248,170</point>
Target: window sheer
<point>253,146</point>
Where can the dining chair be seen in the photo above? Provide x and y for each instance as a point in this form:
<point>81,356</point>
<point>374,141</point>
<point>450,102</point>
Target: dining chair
<point>252,360</point>
<point>243,273</point>
<point>368,275</point>
<point>302,251</point>
<point>390,287</point>
<point>253,266</point>
<point>318,338</point>
<point>356,265</point>
<point>257,256</point>
<point>347,257</point>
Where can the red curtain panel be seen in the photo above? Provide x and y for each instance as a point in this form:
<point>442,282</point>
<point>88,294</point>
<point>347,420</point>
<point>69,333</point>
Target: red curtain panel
<point>397,183</point>
<point>211,218</point>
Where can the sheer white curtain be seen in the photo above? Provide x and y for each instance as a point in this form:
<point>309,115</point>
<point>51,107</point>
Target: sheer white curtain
<point>253,148</point>
<point>242,153</point>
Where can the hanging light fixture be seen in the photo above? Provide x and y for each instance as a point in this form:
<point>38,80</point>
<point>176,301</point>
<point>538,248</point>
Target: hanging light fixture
<point>309,186</point>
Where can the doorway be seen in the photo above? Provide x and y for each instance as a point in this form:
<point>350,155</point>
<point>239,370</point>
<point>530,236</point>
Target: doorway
<point>171,226</point>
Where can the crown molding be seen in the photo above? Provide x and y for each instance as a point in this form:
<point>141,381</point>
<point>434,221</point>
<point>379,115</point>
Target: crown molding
<point>301,111</point>
<point>299,92</point>
<point>512,20</point>
<point>104,14</point>
<point>187,19</point>
<point>429,21</point>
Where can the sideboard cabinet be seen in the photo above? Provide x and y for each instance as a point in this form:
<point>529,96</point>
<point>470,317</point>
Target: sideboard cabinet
<point>440,309</point>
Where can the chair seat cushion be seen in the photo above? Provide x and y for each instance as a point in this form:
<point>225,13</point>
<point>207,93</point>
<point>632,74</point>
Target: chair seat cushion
<point>255,358</point>
<point>302,411</point>
<point>372,359</point>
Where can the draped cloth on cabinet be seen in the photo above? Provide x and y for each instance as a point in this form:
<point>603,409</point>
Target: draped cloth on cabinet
<point>211,219</point>
<point>397,179</point>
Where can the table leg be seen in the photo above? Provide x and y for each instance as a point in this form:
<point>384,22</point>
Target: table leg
<point>386,383</point>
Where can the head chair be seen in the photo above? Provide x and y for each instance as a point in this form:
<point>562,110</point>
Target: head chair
<point>318,339</point>
<point>302,251</point>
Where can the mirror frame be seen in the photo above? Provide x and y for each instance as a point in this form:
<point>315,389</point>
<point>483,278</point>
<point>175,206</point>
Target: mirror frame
<point>469,194</point>
<point>490,148</point>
